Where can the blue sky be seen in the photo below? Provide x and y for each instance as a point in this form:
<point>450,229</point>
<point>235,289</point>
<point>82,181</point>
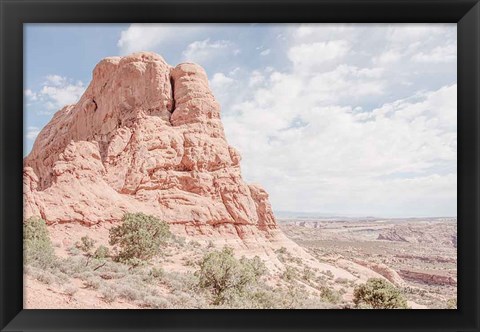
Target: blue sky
<point>332,118</point>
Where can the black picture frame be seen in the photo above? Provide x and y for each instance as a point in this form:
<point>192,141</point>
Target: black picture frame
<point>14,13</point>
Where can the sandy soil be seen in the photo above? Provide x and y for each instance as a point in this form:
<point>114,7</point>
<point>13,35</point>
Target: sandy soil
<point>37,295</point>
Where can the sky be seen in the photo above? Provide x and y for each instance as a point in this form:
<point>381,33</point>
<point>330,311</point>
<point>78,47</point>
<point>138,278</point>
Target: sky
<point>340,119</point>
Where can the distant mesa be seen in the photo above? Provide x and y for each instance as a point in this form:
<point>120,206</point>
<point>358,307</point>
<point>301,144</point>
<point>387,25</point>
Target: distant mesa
<point>144,137</point>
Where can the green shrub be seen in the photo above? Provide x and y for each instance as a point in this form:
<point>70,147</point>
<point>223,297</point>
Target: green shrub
<point>363,306</point>
<point>92,282</point>
<point>155,302</point>
<point>181,282</point>
<point>129,292</point>
<point>157,273</point>
<point>263,298</point>
<point>379,294</point>
<point>180,240</point>
<point>102,252</point>
<point>194,244</point>
<point>74,251</point>
<point>139,237</point>
<point>109,293</point>
<point>289,274</point>
<point>189,261</point>
<point>296,260</point>
<point>227,277</point>
<point>452,303</point>
<point>74,265</point>
<point>43,276</point>
<point>308,274</point>
<point>329,295</point>
<point>255,264</point>
<point>70,290</point>
<point>281,251</point>
<point>296,296</point>
<point>86,245</point>
<point>37,246</point>
<point>343,281</point>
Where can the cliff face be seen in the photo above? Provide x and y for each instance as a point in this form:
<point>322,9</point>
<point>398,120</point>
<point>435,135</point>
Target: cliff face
<point>144,137</point>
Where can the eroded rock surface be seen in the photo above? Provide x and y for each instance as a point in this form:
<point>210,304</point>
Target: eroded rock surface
<point>144,137</point>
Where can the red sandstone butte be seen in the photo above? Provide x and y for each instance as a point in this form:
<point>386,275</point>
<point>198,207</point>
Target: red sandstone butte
<point>144,137</point>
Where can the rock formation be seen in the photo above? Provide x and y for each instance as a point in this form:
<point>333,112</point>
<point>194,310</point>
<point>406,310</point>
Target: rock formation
<point>422,233</point>
<point>384,270</point>
<point>144,137</point>
<point>428,277</point>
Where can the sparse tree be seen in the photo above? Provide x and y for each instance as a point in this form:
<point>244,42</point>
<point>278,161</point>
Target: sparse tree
<point>139,237</point>
<point>37,246</point>
<point>226,276</point>
<point>379,294</point>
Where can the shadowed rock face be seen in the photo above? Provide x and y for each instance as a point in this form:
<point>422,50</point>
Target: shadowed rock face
<point>144,137</point>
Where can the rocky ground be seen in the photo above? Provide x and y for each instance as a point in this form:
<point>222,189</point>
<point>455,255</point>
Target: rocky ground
<point>420,253</point>
<point>320,268</point>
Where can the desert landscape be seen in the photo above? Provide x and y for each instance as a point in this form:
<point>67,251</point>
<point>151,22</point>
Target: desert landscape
<point>418,255</point>
<point>134,199</point>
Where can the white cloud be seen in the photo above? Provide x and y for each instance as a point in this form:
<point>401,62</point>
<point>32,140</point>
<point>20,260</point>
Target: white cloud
<point>222,85</point>
<point>56,92</point>
<point>438,54</point>
<point>149,37</point>
<point>304,30</point>
<point>55,80</point>
<point>61,94</point>
<point>434,43</point>
<point>335,159</point>
<point>388,57</point>
<point>410,34</point>
<point>256,78</point>
<point>203,51</point>
<point>312,55</point>
<point>30,94</point>
<point>32,132</point>
<point>265,52</point>
<point>219,79</point>
<point>357,132</point>
<point>235,71</point>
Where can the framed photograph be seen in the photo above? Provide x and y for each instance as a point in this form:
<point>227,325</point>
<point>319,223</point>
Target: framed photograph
<point>307,165</point>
